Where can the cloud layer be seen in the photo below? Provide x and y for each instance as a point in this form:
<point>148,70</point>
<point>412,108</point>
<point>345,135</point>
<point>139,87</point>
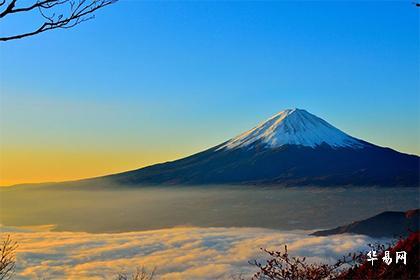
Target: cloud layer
<point>177,253</point>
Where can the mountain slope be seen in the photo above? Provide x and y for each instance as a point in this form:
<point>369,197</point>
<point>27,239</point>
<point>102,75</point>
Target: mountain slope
<point>293,148</point>
<point>385,224</point>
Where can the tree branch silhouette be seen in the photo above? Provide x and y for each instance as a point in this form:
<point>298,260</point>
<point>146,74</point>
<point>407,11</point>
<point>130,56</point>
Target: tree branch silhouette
<point>55,13</point>
<point>7,257</point>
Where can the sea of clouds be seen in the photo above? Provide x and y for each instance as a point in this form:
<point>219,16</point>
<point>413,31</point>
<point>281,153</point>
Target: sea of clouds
<point>176,253</point>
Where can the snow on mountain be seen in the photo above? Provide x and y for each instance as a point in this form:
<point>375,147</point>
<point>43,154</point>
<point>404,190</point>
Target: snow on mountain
<point>294,127</point>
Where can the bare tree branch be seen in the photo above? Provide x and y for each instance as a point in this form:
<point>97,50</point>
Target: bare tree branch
<point>140,274</point>
<point>69,13</point>
<point>11,7</point>
<point>7,258</point>
<point>8,9</point>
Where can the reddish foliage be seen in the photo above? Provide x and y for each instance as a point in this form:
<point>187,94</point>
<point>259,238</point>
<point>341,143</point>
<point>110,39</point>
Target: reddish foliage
<point>379,270</point>
<point>282,266</point>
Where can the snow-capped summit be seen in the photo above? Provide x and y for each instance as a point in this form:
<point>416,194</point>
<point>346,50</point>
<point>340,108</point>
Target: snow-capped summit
<point>294,127</point>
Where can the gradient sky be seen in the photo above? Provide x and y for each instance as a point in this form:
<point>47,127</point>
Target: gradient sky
<point>147,82</point>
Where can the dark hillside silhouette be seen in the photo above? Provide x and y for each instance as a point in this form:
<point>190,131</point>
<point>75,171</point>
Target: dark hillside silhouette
<point>385,224</point>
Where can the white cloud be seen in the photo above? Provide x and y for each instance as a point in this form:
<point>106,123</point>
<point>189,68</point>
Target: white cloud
<point>177,253</point>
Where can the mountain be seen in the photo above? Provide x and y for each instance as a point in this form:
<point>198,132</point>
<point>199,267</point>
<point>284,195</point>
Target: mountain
<point>292,148</point>
<point>385,224</point>
<point>294,127</point>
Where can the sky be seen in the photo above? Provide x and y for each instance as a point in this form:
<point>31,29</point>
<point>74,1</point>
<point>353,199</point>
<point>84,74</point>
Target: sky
<point>147,82</point>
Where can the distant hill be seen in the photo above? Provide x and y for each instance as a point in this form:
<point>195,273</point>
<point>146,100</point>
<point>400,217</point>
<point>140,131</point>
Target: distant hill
<point>385,224</point>
<point>292,148</point>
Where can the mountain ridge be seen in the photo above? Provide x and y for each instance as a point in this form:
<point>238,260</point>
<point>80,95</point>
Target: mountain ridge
<point>277,152</point>
<point>268,159</point>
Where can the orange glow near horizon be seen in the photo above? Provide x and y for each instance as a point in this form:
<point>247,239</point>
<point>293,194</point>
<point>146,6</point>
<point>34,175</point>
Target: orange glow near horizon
<point>17,166</point>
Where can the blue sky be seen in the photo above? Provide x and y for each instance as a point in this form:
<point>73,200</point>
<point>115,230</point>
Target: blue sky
<point>152,81</point>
